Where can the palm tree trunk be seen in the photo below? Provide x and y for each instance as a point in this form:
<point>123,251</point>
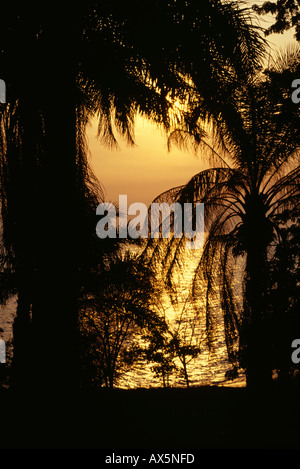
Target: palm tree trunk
<point>56,292</point>
<point>51,229</point>
<point>258,371</point>
<point>21,205</point>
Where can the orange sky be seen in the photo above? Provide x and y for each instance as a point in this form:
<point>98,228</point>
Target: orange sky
<point>144,171</point>
<point>148,169</point>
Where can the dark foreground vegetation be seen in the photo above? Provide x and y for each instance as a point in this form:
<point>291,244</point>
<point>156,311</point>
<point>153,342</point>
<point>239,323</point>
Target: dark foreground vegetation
<point>195,418</point>
<point>77,319</point>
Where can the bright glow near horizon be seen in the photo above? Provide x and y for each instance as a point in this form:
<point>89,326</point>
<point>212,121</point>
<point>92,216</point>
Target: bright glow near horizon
<point>144,171</point>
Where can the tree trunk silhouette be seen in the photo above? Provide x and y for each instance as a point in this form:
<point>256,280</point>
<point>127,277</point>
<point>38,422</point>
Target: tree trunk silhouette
<point>52,233</point>
<point>258,372</point>
<point>22,197</point>
<point>186,376</point>
<point>54,303</point>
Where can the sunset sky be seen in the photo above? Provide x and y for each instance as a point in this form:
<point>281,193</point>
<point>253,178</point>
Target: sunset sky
<point>148,169</point>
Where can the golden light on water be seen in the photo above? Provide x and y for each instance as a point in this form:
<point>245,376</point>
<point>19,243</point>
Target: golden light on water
<point>143,172</point>
<point>187,319</point>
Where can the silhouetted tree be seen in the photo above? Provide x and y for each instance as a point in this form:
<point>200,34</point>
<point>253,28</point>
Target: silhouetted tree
<point>111,59</point>
<point>185,341</point>
<point>160,354</point>
<point>257,179</point>
<point>287,15</point>
<point>117,317</point>
<point>283,301</point>
<point>182,338</point>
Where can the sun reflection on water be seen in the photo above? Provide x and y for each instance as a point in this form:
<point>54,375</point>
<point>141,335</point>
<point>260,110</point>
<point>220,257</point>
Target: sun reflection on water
<point>210,366</point>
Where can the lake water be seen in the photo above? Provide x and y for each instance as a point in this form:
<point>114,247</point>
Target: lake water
<point>207,369</point>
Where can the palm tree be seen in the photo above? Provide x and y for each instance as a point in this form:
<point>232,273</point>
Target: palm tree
<point>256,180</point>
<point>111,60</point>
<point>284,291</point>
<point>116,312</point>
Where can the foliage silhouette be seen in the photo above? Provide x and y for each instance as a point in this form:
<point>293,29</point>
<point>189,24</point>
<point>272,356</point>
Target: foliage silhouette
<point>179,342</point>
<point>110,60</point>
<point>283,305</point>
<point>255,136</point>
<point>115,318</point>
<point>287,15</point>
